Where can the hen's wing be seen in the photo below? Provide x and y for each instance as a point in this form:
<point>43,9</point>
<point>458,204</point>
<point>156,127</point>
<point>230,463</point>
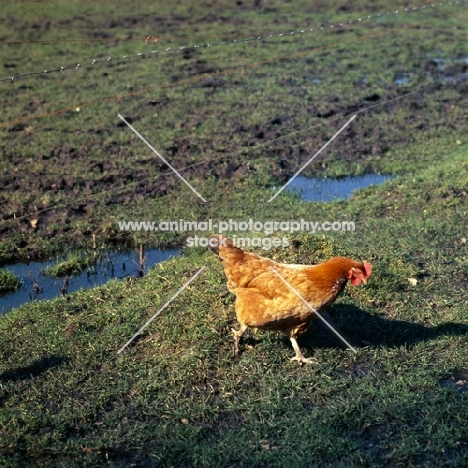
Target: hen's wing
<point>271,284</point>
<point>267,302</point>
<point>243,267</point>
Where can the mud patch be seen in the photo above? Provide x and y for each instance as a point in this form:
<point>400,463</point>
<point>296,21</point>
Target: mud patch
<point>456,380</point>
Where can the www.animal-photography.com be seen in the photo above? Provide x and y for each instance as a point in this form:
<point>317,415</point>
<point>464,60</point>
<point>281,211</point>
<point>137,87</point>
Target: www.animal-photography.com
<point>233,234</point>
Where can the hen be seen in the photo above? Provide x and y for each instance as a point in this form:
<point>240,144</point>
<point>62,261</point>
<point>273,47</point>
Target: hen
<point>265,302</point>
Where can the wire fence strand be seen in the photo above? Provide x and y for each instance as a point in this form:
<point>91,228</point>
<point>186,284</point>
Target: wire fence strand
<point>257,38</point>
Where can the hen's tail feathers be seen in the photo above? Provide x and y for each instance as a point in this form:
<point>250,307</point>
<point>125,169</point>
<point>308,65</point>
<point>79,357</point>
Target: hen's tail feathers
<point>217,241</point>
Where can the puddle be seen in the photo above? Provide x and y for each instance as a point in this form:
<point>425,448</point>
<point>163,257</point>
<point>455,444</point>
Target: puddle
<point>325,190</point>
<point>457,380</point>
<point>112,265</point>
<point>456,78</point>
<point>440,62</point>
<point>400,79</point>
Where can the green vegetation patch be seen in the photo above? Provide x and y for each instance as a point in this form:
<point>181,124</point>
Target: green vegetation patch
<point>8,281</point>
<point>73,265</point>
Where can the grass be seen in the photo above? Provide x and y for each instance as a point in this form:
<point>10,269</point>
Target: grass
<point>178,396</point>
<point>73,265</point>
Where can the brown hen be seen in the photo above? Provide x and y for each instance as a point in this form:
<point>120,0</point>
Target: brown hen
<point>265,302</point>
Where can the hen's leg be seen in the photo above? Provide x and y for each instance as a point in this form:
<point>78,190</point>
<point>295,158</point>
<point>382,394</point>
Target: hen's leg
<point>299,357</point>
<point>237,336</point>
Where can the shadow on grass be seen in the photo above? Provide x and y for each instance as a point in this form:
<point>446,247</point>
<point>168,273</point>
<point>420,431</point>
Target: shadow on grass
<point>33,370</point>
<point>363,329</point>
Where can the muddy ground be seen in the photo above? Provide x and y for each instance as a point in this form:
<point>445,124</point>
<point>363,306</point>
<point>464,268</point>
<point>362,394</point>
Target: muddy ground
<point>59,188</point>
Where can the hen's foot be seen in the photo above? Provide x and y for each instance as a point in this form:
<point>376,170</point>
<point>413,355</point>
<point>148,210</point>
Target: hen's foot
<point>236,341</point>
<point>237,336</point>
<point>299,357</point>
<point>303,360</point>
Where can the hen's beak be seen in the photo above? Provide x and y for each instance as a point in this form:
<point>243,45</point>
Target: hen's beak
<point>364,280</point>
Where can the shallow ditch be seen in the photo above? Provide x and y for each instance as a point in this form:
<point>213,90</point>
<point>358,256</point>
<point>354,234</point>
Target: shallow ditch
<point>35,285</point>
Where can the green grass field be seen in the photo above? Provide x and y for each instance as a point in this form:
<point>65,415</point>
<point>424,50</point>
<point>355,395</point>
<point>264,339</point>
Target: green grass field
<point>236,120</point>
